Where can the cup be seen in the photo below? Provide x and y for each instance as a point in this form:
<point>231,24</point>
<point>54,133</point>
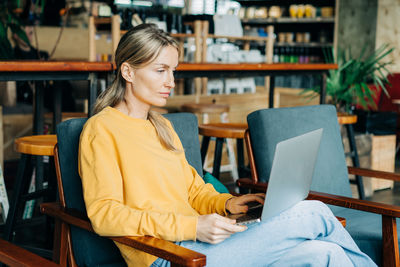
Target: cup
<point>306,37</point>
<point>299,37</point>
<point>289,37</point>
<point>300,11</point>
<point>250,12</point>
<point>281,37</point>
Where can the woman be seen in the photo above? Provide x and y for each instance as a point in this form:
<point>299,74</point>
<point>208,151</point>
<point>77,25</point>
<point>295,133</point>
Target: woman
<point>137,182</point>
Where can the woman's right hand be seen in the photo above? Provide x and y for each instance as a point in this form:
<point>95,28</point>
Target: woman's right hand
<point>213,228</point>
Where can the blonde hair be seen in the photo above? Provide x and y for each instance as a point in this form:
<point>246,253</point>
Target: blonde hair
<point>138,47</point>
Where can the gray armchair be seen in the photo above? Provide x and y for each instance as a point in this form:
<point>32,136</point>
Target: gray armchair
<point>372,225</point>
<point>76,242</point>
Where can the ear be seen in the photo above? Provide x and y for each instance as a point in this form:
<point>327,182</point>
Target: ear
<point>127,72</point>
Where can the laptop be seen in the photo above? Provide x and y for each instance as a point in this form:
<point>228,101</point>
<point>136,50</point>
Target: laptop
<point>290,179</point>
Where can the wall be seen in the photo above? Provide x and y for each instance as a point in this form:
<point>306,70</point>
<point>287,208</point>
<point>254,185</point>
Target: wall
<point>387,30</point>
<point>73,43</point>
<point>357,25</point>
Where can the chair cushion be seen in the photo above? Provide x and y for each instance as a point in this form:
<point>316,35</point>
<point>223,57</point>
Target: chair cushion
<point>218,186</point>
<point>270,126</point>
<point>366,230</point>
<point>187,128</point>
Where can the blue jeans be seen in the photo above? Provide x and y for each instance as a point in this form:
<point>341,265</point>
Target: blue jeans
<point>307,234</point>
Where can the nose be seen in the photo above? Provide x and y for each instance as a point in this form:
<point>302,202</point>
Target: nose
<point>170,80</point>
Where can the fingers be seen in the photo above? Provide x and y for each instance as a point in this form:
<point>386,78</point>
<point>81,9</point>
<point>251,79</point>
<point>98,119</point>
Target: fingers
<point>214,228</point>
<point>224,226</point>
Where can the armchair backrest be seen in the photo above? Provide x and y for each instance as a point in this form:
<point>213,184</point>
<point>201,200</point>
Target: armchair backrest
<point>90,249</point>
<point>269,126</point>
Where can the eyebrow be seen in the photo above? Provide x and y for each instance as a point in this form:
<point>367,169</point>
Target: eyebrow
<point>164,65</point>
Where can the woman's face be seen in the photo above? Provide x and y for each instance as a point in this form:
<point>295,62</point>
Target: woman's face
<point>153,83</point>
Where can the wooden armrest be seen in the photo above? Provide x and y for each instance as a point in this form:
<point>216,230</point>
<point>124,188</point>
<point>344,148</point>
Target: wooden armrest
<point>154,246</point>
<point>347,202</point>
<point>13,255</point>
<point>250,184</point>
<point>373,173</point>
<point>357,204</point>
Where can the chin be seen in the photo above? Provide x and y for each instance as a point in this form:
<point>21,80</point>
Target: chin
<point>160,103</point>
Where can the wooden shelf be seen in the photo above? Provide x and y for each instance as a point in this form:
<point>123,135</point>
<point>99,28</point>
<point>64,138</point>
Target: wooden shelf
<point>243,38</point>
<point>102,20</point>
<point>289,20</point>
<point>253,67</point>
<point>312,44</point>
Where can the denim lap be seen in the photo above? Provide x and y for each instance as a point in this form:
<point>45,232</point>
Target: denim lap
<point>265,243</point>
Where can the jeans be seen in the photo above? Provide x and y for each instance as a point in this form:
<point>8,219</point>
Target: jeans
<point>307,234</point>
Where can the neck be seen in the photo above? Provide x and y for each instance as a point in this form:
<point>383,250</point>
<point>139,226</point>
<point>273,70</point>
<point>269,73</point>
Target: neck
<point>132,107</point>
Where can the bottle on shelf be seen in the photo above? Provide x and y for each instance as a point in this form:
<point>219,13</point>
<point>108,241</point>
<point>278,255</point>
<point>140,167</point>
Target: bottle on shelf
<point>282,54</point>
<point>306,55</point>
<point>287,54</point>
<point>276,55</point>
<point>301,55</point>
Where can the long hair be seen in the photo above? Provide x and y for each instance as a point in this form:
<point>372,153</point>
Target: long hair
<point>138,47</point>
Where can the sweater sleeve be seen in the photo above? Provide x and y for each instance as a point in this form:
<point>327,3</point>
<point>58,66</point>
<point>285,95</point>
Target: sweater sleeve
<point>102,184</point>
<point>202,197</point>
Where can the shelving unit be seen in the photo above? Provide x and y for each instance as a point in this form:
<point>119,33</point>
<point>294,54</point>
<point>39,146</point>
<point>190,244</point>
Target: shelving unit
<point>288,20</point>
<point>322,30</point>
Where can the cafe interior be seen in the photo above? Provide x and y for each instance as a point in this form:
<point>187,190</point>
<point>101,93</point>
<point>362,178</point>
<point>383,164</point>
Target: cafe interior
<point>251,74</point>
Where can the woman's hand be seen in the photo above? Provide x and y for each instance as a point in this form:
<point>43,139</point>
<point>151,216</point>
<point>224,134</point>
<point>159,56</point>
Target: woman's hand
<point>237,205</point>
<point>214,228</point>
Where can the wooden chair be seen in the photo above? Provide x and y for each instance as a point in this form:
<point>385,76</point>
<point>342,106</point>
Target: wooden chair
<point>365,219</point>
<point>77,243</point>
<point>347,120</point>
<point>221,131</point>
<point>29,146</point>
<point>13,255</point>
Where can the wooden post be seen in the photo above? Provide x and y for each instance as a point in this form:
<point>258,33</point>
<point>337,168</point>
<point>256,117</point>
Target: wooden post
<point>197,56</point>
<point>269,52</point>
<point>390,246</point>
<point>92,43</point>
<point>204,34</point>
<point>115,33</point>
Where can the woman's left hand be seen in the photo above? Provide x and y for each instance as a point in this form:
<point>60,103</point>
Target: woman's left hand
<point>237,205</point>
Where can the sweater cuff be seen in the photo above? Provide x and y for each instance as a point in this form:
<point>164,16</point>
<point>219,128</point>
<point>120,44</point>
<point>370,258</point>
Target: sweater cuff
<point>188,224</point>
<point>222,202</point>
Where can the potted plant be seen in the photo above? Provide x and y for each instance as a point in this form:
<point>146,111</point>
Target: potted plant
<point>9,20</point>
<point>348,85</point>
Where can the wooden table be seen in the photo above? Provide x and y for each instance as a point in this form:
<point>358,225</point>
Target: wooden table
<point>221,70</point>
<point>54,70</point>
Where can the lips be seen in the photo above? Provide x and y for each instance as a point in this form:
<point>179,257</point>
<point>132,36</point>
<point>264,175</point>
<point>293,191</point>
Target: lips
<point>165,94</point>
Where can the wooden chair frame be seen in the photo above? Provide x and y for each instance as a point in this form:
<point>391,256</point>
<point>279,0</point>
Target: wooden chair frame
<point>63,253</point>
<point>389,213</point>
<point>13,255</point>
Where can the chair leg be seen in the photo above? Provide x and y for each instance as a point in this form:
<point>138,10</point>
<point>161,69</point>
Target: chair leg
<point>390,246</point>
<point>217,157</point>
<point>232,158</point>
<point>354,157</point>
<point>204,147</point>
<point>21,181</point>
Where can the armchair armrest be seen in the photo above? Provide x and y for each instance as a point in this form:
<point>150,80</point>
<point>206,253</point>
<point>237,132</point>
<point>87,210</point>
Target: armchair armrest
<point>374,173</point>
<point>161,248</point>
<point>13,255</point>
<point>347,202</point>
<point>357,204</point>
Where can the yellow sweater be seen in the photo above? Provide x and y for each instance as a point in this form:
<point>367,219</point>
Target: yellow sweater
<point>132,186</point>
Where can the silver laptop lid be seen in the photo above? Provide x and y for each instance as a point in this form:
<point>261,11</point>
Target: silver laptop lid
<point>291,173</point>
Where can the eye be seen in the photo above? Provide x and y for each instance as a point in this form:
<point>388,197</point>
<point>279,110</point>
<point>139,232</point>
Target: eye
<point>160,70</point>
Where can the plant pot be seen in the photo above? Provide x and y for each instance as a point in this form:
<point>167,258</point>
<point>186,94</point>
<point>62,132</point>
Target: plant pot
<point>376,122</point>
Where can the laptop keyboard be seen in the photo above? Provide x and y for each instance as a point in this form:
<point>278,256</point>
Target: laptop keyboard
<point>251,216</point>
